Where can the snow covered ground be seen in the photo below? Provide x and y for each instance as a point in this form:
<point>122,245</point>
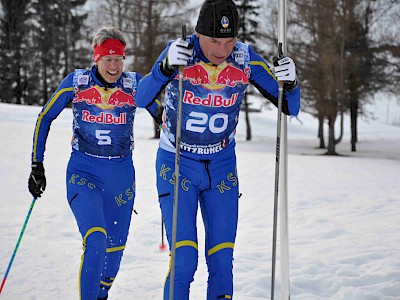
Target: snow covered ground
<point>344,215</point>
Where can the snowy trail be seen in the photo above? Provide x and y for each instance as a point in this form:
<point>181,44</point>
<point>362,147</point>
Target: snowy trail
<point>344,215</point>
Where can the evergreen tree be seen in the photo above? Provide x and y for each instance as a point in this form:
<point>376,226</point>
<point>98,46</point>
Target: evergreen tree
<point>248,33</point>
<point>41,41</point>
<point>55,33</point>
<point>13,52</point>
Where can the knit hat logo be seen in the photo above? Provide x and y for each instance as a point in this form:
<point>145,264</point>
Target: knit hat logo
<point>225,22</point>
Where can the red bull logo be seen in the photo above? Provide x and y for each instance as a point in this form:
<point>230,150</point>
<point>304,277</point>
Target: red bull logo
<point>109,98</point>
<point>232,76</point>
<point>212,100</point>
<point>196,74</point>
<point>103,118</point>
<point>91,96</point>
<point>215,77</point>
<point>120,98</point>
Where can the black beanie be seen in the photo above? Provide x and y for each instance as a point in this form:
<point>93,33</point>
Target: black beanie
<point>218,18</point>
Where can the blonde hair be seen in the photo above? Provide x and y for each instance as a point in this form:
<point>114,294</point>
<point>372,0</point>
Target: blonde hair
<point>106,33</point>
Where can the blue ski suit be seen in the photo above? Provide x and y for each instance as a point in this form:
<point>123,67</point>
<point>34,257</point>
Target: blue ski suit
<point>212,97</point>
<point>100,176</point>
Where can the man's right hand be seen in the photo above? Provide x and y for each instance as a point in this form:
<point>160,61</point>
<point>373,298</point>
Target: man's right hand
<point>37,180</point>
<point>179,53</point>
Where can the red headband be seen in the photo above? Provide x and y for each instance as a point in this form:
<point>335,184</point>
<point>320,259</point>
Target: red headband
<point>109,47</point>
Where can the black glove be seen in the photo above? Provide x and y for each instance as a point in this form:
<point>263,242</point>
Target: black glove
<point>37,180</point>
<point>159,114</point>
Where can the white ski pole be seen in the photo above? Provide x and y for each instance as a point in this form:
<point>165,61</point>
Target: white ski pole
<point>281,149</point>
<point>283,199</point>
<point>277,160</point>
<point>176,185</point>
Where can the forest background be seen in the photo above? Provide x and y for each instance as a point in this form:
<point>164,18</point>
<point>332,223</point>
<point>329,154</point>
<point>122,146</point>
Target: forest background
<point>346,51</point>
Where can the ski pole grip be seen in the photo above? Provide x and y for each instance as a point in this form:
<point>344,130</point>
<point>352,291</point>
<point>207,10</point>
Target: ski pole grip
<point>181,68</point>
<point>280,51</point>
<point>183,32</point>
<point>280,55</point>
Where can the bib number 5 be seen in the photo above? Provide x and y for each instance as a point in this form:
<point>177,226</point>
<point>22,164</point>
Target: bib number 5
<point>103,137</point>
<point>200,122</point>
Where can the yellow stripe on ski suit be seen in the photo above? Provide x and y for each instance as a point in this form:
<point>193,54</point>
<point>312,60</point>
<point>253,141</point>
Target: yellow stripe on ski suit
<point>220,247</point>
<point>210,252</point>
<point>115,249</point>
<point>110,250</point>
<point>264,66</point>
<point>89,232</point>
<point>39,121</point>
<point>108,283</point>
<point>178,245</point>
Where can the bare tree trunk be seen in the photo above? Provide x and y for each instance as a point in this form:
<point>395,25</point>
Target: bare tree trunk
<point>353,124</point>
<point>156,130</point>
<point>321,131</point>
<point>246,111</point>
<point>339,139</point>
<point>331,137</point>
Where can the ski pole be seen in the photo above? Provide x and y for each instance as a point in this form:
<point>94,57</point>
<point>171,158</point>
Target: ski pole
<point>283,165</point>
<point>162,245</point>
<point>278,142</point>
<point>18,242</point>
<point>176,185</point>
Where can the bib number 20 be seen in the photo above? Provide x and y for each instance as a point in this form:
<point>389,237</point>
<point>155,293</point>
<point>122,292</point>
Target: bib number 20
<point>200,122</point>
